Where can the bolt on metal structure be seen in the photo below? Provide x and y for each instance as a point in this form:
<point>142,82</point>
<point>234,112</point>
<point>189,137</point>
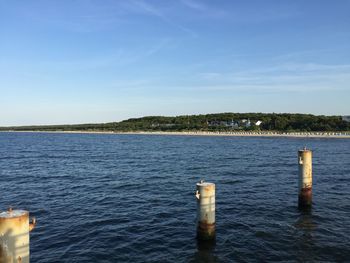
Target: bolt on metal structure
<point>305,178</point>
<point>205,210</point>
<point>14,236</point>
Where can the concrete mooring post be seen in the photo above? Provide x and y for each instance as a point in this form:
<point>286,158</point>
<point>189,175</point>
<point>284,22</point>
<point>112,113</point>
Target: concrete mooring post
<point>305,178</point>
<point>14,236</point>
<point>205,210</point>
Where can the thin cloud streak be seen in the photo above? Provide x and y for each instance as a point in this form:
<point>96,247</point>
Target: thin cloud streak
<point>296,77</point>
<point>83,16</point>
<point>203,11</point>
<point>194,5</point>
<point>308,77</point>
<point>151,10</point>
<point>117,58</point>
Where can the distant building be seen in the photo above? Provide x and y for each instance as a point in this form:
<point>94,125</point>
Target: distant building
<point>232,124</point>
<point>346,118</point>
<point>246,123</point>
<point>258,123</point>
<point>213,123</point>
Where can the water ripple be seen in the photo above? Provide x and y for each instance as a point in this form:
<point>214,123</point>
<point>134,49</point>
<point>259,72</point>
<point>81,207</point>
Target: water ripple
<point>130,198</point>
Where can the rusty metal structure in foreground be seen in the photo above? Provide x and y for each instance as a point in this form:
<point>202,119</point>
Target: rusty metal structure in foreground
<point>205,210</point>
<point>14,236</point>
<point>305,178</point>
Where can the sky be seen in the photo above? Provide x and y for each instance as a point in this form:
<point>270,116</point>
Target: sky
<point>93,61</point>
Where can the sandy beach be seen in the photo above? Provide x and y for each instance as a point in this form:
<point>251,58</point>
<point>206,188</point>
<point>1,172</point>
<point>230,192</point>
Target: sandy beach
<point>339,135</point>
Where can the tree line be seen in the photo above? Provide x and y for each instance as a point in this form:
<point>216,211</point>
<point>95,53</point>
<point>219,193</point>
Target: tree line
<point>285,122</point>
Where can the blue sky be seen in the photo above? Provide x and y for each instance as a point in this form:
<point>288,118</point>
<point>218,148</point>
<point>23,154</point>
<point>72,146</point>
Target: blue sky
<point>85,61</point>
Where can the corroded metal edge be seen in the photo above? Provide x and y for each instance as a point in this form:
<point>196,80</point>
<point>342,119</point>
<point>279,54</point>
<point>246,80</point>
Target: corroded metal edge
<point>18,219</point>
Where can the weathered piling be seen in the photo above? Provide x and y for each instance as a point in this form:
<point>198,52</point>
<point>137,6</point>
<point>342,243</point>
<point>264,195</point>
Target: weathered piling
<point>205,211</point>
<point>14,236</point>
<point>305,178</point>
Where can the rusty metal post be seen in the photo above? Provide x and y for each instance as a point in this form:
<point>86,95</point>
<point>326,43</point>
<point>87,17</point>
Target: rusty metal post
<point>14,236</point>
<point>305,178</point>
<point>205,211</point>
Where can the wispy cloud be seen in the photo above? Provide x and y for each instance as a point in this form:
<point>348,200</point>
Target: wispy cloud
<point>82,16</point>
<point>157,47</point>
<point>153,11</point>
<point>90,16</point>
<point>113,58</point>
<point>194,5</point>
<point>303,55</point>
<point>202,10</point>
<point>301,78</point>
<point>298,77</point>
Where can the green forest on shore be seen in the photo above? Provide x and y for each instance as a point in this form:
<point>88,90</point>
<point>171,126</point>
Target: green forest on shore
<point>285,122</point>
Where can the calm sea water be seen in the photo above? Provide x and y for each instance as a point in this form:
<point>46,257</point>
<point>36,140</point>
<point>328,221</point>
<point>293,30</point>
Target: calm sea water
<point>130,198</point>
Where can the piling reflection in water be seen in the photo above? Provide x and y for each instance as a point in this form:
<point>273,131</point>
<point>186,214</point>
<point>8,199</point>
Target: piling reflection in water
<point>205,251</point>
<point>305,221</point>
<point>206,245</point>
<point>305,242</point>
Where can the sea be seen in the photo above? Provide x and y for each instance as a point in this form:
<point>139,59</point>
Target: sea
<point>131,198</point>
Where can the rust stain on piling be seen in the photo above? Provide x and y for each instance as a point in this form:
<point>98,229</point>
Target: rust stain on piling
<point>17,221</point>
<point>205,231</point>
<point>305,197</point>
<point>209,187</point>
<point>205,225</point>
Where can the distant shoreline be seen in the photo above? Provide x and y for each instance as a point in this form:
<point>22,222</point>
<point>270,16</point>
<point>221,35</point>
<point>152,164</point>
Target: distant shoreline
<point>340,135</point>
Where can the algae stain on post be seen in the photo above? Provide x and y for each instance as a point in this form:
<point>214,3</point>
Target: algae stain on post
<point>205,210</point>
<point>305,178</point>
